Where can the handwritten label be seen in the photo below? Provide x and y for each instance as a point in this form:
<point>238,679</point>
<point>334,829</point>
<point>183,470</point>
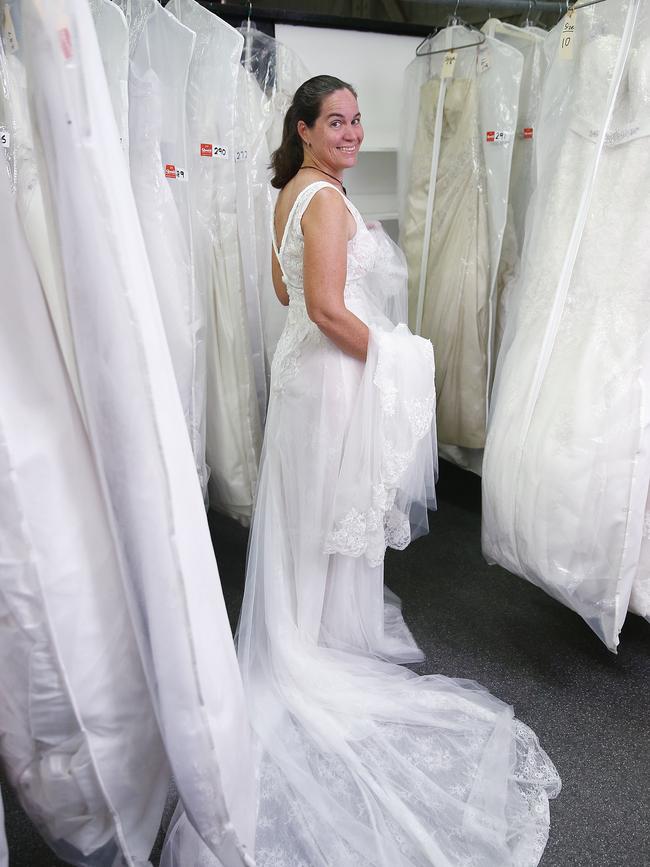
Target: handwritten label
<point>568,35</point>
<point>497,136</point>
<point>483,59</point>
<point>220,152</point>
<point>5,138</point>
<point>241,155</point>
<point>448,64</point>
<point>175,173</point>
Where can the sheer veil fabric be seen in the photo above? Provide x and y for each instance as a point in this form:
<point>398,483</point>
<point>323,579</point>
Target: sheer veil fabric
<point>361,762</point>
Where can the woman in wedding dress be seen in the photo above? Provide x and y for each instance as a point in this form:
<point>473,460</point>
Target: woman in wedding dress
<point>361,762</point>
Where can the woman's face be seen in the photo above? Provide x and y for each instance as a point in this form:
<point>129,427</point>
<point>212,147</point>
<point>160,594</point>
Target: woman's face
<point>336,136</point>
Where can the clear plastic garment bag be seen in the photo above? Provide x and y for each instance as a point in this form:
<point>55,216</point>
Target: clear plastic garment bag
<point>253,220</point>
<point>32,195</point>
<point>160,56</point>
<point>458,129</point>
<point>79,738</point>
<point>567,459</point>
<point>138,433</point>
<point>274,73</point>
<point>234,427</point>
<point>531,46</point>
<point>113,37</point>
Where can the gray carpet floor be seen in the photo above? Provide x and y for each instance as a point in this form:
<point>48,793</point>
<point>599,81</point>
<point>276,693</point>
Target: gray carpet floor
<point>590,708</point>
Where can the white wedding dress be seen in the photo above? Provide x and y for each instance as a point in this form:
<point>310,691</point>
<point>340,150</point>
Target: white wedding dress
<point>361,761</point>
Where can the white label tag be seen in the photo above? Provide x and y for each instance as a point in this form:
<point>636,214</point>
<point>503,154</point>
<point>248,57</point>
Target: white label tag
<point>9,32</point>
<point>220,152</point>
<point>568,35</point>
<point>174,172</point>
<point>483,59</point>
<point>498,136</point>
<point>5,138</point>
<point>448,64</point>
<point>241,155</point>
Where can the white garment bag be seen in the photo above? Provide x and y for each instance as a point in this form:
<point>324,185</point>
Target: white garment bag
<point>138,433</point>
<point>278,72</point>
<point>233,430</point>
<point>113,37</point>
<point>567,459</point>
<point>32,194</point>
<point>253,221</point>
<point>79,741</point>
<point>531,46</point>
<point>458,128</point>
<point>161,51</point>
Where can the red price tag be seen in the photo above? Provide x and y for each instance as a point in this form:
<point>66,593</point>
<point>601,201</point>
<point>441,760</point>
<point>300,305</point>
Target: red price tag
<point>206,150</point>
<point>170,171</point>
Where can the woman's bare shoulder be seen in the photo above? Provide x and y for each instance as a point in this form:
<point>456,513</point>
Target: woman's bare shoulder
<point>324,198</point>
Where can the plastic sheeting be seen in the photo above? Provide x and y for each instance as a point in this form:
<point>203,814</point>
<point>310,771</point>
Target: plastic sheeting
<point>233,430</point>
<point>277,72</point>
<point>531,46</point>
<point>161,52</point>
<point>567,459</point>
<point>113,37</point>
<point>32,193</point>
<point>253,220</point>
<point>459,124</point>
<point>79,738</point>
<point>138,434</point>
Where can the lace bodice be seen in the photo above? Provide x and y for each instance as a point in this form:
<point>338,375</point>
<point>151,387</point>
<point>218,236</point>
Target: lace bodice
<point>363,251</point>
<point>362,248</point>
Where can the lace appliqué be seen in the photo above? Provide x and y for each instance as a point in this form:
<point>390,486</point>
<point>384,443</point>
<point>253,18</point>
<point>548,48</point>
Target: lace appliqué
<point>384,524</point>
<point>285,363</point>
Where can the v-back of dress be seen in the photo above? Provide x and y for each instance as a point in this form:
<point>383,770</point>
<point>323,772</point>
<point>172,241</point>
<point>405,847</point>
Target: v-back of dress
<point>362,763</point>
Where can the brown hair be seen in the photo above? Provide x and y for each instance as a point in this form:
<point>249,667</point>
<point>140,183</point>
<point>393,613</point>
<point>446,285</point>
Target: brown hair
<point>306,106</point>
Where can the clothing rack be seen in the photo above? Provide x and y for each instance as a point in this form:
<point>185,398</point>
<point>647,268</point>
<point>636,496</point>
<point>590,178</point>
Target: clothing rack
<point>514,5</point>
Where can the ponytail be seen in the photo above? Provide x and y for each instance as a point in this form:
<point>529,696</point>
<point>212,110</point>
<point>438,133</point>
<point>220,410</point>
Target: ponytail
<point>306,106</point>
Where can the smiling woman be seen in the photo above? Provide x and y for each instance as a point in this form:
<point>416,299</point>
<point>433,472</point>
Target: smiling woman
<point>321,138</point>
<point>361,762</point>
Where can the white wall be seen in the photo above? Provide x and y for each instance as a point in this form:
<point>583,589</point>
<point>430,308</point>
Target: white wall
<point>373,63</point>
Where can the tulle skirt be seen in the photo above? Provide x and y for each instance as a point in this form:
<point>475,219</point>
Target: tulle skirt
<point>361,762</point>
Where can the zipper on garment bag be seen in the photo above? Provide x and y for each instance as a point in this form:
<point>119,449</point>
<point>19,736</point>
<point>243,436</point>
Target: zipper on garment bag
<point>553,323</point>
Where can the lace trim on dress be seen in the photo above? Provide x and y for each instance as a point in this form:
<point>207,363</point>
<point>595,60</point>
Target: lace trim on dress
<point>384,524</point>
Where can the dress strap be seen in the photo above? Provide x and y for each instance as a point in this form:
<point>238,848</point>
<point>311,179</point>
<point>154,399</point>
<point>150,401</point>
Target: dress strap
<point>298,209</point>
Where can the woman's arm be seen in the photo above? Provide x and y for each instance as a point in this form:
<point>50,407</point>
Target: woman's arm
<point>278,285</point>
<point>325,228</point>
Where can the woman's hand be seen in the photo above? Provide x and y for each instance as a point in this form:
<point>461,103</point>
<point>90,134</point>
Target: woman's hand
<point>327,226</point>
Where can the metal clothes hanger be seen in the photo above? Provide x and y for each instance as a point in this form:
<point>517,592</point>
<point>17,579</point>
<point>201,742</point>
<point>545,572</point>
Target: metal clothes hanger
<point>528,21</point>
<point>453,21</point>
<point>584,5</point>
